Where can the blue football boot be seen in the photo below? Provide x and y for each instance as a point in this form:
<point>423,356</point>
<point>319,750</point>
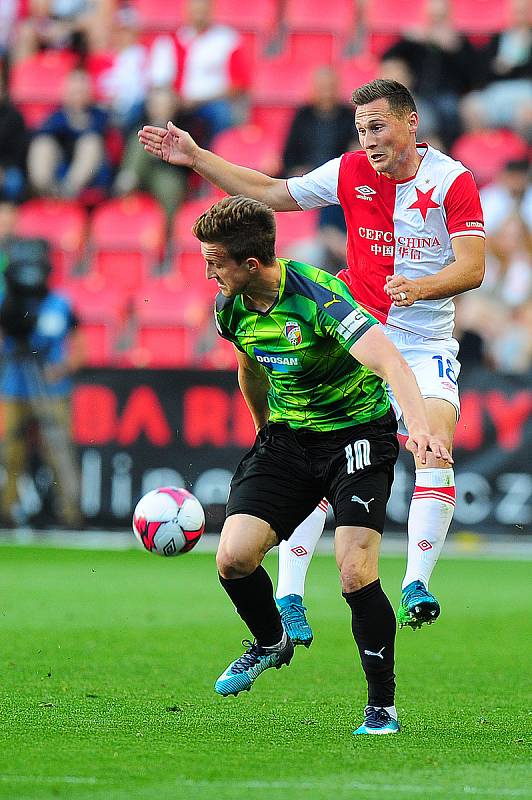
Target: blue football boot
<point>294,621</point>
<point>240,674</point>
<point>418,606</point>
<point>377,721</point>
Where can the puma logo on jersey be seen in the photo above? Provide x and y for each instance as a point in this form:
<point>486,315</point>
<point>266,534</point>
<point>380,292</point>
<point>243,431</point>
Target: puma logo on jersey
<point>331,302</point>
<point>364,503</point>
<point>377,655</point>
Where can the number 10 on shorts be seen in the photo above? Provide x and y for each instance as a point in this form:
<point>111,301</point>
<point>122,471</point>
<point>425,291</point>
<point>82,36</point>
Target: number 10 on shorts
<point>357,455</point>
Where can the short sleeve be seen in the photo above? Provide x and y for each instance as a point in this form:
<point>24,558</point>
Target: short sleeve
<point>318,188</point>
<point>342,318</point>
<point>463,208</point>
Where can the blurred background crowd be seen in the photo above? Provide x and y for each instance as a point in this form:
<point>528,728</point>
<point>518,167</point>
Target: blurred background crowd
<point>265,83</point>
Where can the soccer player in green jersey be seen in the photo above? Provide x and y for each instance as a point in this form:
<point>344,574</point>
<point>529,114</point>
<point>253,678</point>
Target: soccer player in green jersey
<point>311,365</point>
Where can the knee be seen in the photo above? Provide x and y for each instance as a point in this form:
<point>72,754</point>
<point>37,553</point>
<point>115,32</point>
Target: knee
<point>232,562</point>
<point>357,570</point>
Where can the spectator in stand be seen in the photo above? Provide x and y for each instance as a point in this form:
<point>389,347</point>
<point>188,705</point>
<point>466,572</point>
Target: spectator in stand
<point>77,25</point>
<point>444,63</point>
<point>13,147</point>
<point>67,155</point>
<point>321,129</point>
<point>506,102</point>
<point>120,72</point>
<point>396,68</point>
<point>138,170</point>
<point>510,192</point>
<point>207,65</point>
<point>9,11</point>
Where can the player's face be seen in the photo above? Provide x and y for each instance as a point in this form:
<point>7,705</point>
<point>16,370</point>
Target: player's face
<point>232,278</point>
<point>388,140</point>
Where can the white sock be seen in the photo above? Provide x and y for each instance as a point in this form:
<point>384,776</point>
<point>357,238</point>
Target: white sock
<point>296,553</point>
<point>431,512</point>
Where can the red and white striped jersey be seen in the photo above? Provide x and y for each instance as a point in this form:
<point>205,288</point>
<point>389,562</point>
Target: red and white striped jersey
<point>402,227</point>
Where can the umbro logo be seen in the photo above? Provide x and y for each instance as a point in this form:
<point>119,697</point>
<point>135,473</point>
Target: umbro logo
<point>364,192</point>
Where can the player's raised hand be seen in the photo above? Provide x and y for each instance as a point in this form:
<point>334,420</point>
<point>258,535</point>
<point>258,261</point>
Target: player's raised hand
<point>401,290</point>
<point>169,144</point>
<point>419,443</point>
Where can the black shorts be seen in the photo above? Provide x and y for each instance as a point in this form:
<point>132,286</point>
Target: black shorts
<point>287,472</point>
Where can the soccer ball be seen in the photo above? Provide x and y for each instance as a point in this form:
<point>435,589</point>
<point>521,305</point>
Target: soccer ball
<point>168,521</point>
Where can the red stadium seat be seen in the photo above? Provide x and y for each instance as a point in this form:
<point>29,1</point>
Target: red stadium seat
<point>321,48</point>
<point>293,226</point>
<point>389,16</point>
<point>356,71</point>
<point>480,16</point>
<point>166,317</point>
<point>260,15</point>
<point>101,310</point>
<point>63,223</point>
<point>310,15</point>
<point>184,219</point>
<point>36,84</point>
<point>220,356</point>
<point>282,80</point>
<point>250,146</point>
<point>276,119</point>
<point>486,152</point>
<point>126,239</point>
<point>159,15</point>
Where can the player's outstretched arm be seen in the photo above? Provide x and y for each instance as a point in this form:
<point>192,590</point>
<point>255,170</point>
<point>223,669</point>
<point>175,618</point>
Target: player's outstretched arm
<point>178,147</point>
<point>381,356</point>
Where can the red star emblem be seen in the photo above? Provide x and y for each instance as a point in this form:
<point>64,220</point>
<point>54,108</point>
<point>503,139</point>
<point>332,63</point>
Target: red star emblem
<point>424,202</point>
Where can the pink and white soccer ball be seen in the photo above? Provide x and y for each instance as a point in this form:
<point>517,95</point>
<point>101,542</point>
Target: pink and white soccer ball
<point>168,521</point>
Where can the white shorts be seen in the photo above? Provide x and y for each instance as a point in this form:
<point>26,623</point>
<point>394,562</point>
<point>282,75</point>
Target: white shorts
<point>433,362</point>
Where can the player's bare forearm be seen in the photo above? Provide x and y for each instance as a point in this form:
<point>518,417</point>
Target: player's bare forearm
<point>234,179</point>
<point>254,386</point>
<point>465,273</point>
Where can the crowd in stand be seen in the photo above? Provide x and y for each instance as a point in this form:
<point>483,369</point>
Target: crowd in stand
<point>118,68</point>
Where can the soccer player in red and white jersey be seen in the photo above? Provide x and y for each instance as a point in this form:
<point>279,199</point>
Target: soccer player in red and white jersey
<point>415,239</point>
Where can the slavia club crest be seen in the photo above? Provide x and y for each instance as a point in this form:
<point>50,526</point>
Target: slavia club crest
<point>292,331</point>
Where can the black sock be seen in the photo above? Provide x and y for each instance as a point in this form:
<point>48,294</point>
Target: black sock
<point>373,625</point>
<point>253,599</point>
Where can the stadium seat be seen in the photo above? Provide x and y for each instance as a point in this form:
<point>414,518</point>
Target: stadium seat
<point>63,223</point>
<point>166,316</point>
<point>275,119</point>
<point>221,355</point>
<point>101,310</point>
<point>480,16</point>
<point>314,34</point>
<point>356,71</point>
<point>250,146</point>
<point>126,239</point>
<point>294,226</point>
<point>282,80</point>
<point>389,16</point>
<point>36,84</point>
<point>486,152</point>
<point>259,15</point>
<point>185,217</point>
<point>159,15</point>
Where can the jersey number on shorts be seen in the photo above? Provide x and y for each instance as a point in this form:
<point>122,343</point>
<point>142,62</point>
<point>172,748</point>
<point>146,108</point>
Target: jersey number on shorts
<point>447,370</point>
<point>357,456</point>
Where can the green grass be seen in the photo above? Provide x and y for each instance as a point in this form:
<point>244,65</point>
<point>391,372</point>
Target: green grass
<point>107,663</point>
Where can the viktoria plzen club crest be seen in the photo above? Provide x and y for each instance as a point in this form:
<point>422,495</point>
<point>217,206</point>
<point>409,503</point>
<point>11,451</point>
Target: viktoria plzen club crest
<point>292,331</point>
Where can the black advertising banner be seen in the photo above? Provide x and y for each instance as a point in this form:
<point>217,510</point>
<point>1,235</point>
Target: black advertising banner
<point>139,429</point>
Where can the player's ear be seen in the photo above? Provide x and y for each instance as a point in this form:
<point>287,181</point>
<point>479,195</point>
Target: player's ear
<point>252,264</point>
<point>413,121</point>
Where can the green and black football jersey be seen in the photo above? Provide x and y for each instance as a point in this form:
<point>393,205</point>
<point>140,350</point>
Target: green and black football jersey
<point>302,342</point>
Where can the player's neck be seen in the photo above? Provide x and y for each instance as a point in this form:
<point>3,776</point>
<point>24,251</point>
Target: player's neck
<point>262,293</point>
<point>405,168</point>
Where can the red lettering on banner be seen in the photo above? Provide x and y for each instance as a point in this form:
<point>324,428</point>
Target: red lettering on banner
<point>93,414</point>
<point>242,424</point>
<point>469,433</point>
<point>206,415</point>
<point>509,415</point>
<point>143,414</point>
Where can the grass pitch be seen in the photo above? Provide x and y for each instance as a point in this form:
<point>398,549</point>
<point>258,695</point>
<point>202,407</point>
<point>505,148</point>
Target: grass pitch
<point>108,659</point>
